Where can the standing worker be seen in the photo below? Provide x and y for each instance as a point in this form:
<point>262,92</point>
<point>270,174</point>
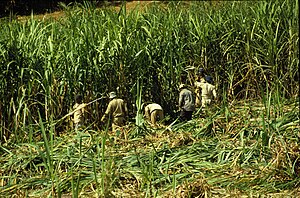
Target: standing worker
<point>208,91</point>
<point>116,111</point>
<point>201,75</point>
<point>201,79</point>
<point>153,113</point>
<point>78,118</point>
<point>186,103</point>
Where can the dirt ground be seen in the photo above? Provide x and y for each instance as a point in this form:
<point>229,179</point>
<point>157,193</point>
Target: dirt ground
<point>58,14</point>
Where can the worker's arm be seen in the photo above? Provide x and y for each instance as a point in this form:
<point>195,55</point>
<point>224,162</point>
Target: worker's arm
<point>107,113</point>
<point>147,113</point>
<point>181,98</point>
<point>215,94</point>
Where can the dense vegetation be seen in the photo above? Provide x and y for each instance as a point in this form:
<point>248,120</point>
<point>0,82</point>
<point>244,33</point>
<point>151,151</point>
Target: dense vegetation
<point>248,142</point>
<point>23,7</point>
<point>11,8</point>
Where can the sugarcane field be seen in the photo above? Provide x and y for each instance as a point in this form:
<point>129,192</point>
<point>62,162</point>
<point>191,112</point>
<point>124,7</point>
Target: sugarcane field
<point>156,99</point>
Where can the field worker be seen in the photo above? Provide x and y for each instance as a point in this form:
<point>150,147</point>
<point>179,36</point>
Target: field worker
<point>201,75</point>
<point>116,111</point>
<point>208,91</point>
<point>198,95</point>
<point>186,103</point>
<point>153,113</point>
<point>201,79</point>
<point>78,118</point>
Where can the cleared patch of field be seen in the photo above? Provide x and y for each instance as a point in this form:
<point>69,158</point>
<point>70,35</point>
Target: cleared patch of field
<point>206,157</point>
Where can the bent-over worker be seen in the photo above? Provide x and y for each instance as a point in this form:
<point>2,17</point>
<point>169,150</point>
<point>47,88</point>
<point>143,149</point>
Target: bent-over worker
<point>153,113</point>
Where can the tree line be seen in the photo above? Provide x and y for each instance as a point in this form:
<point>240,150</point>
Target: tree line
<point>10,8</point>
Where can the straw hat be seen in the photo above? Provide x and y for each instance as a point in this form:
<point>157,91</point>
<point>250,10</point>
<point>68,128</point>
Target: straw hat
<point>112,95</point>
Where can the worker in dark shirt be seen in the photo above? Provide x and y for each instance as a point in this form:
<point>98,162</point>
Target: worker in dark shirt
<point>186,103</point>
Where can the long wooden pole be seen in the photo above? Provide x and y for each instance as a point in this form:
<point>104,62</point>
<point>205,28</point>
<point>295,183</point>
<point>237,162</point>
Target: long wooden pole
<point>77,110</point>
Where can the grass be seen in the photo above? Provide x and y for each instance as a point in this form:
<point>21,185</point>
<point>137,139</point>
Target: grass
<point>246,145</point>
<point>192,159</point>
